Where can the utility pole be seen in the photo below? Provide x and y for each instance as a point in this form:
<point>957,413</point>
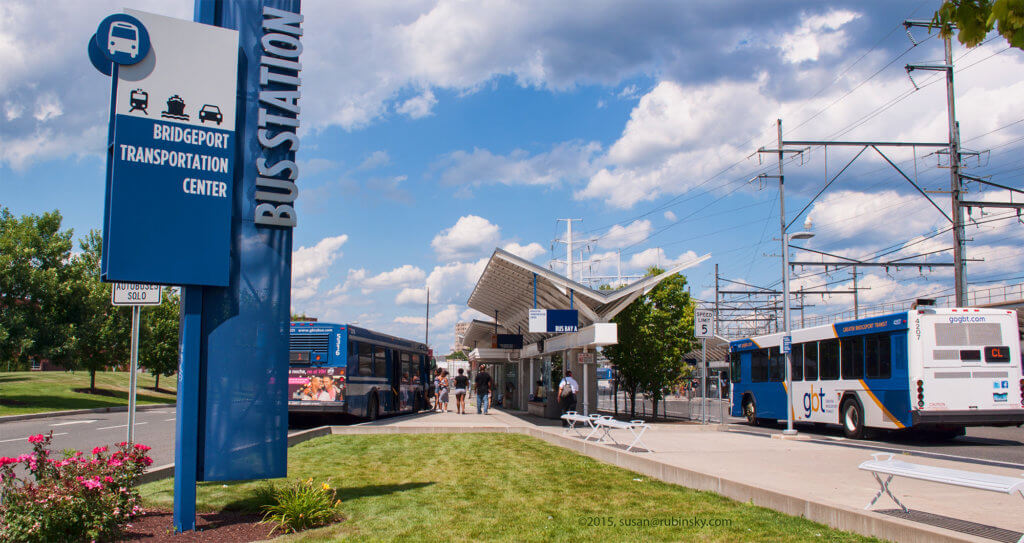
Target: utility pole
<point>856,306</point>
<point>955,186</point>
<point>426,333</point>
<point>716,304</point>
<point>568,247</point>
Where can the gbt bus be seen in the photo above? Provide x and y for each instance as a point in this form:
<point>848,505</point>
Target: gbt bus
<point>936,369</point>
<point>338,368</point>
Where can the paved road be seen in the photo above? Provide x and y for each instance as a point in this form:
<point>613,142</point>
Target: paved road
<point>984,443</point>
<point>83,432</point>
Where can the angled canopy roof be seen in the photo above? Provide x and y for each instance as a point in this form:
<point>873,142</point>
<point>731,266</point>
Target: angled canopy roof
<point>480,331</point>
<point>507,286</point>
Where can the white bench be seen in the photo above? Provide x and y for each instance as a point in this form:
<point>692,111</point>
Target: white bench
<point>970,479</point>
<point>574,419</point>
<point>635,427</point>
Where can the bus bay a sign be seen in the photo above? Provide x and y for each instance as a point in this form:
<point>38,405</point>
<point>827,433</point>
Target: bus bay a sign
<point>170,173</point>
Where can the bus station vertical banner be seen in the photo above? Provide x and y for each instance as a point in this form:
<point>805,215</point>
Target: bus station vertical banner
<point>244,339</point>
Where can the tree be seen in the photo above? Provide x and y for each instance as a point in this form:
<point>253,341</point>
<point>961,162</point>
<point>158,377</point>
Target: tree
<point>974,19</point>
<point>101,331</point>
<point>457,355</point>
<point>36,284</point>
<point>158,342</point>
<point>654,333</point>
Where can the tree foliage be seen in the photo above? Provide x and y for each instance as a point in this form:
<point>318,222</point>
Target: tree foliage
<point>158,341</point>
<point>654,332</point>
<point>972,20</point>
<point>36,289</point>
<point>54,307</point>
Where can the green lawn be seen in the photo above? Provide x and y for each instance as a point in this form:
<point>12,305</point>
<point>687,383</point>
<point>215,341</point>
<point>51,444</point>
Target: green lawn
<point>41,391</point>
<point>506,487</point>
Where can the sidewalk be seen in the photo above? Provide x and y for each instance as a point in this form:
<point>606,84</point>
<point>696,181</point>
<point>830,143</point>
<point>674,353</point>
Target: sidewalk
<point>817,481</point>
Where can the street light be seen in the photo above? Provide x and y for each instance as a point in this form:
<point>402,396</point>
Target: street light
<point>786,238</point>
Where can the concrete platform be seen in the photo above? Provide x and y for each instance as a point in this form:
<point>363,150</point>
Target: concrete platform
<point>816,481</point>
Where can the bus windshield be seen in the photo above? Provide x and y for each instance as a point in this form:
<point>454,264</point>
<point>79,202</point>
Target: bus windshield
<point>122,32</point>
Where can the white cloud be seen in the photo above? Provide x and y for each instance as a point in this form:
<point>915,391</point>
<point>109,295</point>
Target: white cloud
<point>656,256</point>
<point>449,283</point>
<point>816,34</point>
<point>529,252</point>
<point>670,216</point>
<point>418,321</point>
<point>411,296</point>
<point>471,314</point>
<point>402,276</point>
<point>618,236</point>
<point>566,162</point>
<point>630,92</point>
<point>314,166</point>
<point>375,160</point>
<point>310,265</point>
<point>869,218</point>
<point>419,106</point>
<point>48,107</point>
<point>470,236</point>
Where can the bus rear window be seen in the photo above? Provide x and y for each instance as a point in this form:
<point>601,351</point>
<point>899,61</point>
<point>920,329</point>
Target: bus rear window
<point>973,334</point>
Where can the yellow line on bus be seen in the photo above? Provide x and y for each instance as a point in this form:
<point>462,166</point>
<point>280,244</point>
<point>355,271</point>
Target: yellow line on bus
<point>880,406</point>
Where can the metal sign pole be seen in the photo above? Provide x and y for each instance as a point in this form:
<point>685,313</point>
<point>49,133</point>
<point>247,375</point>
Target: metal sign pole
<point>703,381</point>
<point>132,380</point>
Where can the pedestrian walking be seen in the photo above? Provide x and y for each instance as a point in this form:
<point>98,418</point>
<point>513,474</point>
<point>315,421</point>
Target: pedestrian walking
<point>567,390</point>
<point>437,390</point>
<point>461,386</point>
<point>443,396</point>
<point>483,390</point>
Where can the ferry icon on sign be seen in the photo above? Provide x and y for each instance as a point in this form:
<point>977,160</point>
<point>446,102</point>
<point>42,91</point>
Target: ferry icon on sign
<point>175,109</point>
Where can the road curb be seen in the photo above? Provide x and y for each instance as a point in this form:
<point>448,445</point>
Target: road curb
<point>51,414</point>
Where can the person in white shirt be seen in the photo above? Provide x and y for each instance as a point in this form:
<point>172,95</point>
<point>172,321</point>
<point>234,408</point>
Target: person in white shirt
<point>567,389</point>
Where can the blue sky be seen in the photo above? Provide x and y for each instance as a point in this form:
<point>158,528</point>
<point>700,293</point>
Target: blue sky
<point>435,131</point>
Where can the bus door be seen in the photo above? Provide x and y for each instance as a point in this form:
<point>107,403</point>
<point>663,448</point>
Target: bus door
<point>395,379</point>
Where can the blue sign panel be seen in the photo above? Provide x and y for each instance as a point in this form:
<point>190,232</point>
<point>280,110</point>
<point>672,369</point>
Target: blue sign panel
<point>787,344</point>
<point>563,320</point>
<point>170,203</point>
<point>244,364</point>
<point>885,323</point>
<point>122,39</point>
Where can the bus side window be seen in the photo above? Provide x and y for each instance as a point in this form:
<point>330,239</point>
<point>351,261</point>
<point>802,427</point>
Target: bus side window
<point>365,360</point>
<point>828,353</point>
<point>878,356</point>
<point>852,357</point>
<point>759,365</point>
<point>734,369</point>
<point>776,364</point>
<point>811,361</point>
<point>797,362</point>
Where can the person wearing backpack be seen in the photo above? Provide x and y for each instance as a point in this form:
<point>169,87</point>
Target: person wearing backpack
<point>567,390</point>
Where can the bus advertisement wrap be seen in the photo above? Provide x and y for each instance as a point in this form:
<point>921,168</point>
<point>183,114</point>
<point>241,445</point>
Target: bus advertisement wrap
<point>316,384</point>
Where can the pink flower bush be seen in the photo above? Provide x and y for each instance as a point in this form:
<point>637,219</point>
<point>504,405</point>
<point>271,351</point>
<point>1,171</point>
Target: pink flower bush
<point>74,498</point>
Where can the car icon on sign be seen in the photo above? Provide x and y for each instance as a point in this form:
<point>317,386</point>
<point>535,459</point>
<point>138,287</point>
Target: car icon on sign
<point>123,38</point>
<point>210,113</point>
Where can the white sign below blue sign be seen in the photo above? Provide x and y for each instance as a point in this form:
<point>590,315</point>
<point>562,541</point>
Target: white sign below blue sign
<point>787,344</point>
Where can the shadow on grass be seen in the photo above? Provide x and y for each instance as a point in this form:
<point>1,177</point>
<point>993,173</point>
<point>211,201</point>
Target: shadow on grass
<point>253,502</point>
<point>12,378</point>
<point>85,401</point>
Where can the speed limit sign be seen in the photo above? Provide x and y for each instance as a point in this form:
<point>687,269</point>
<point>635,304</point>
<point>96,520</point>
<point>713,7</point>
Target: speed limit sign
<point>703,323</point>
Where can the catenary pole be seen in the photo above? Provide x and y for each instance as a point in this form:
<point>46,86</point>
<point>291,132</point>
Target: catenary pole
<point>785,285</point>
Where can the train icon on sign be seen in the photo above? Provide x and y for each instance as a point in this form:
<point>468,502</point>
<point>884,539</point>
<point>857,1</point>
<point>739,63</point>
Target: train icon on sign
<point>123,38</point>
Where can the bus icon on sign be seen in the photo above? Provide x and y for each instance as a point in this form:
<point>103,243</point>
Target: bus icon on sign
<point>123,38</point>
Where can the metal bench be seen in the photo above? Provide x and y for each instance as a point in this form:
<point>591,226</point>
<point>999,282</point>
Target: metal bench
<point>636,427</point>
<point>576,419</point>
<point>970,479</point>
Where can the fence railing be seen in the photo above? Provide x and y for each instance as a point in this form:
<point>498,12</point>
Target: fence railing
<point>684,406</point>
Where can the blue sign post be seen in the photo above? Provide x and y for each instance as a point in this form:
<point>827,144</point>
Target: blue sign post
<point>181,211</point>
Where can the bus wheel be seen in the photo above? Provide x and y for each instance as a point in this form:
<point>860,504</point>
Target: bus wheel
<point>750,411</point>
<point>853,419</point>
<point>373,410</point>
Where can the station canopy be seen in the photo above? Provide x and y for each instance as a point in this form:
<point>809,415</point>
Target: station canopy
<point>507,287</point>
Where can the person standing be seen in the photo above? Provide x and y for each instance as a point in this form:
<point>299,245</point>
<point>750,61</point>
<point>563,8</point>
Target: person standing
<point>461,386</point>
<point>483,390</point>
<point>567,390</point>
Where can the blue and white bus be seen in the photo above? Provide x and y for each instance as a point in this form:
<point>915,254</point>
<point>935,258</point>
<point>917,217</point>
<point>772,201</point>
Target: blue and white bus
<point>339,368</point>
<point>937,369</point>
